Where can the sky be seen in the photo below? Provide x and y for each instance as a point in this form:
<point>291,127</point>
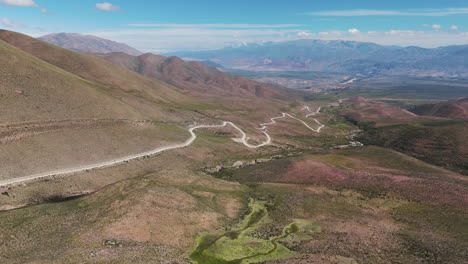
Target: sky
<point>184,25</point>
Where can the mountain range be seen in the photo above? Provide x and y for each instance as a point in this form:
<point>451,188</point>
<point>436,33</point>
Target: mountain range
<point>88,43</point>
<point>341,56</point>
<point>337,56</point>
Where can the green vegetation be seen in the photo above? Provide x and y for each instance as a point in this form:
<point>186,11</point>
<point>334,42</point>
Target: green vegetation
<point>239,245</point>
<point>338,160</point>
<point>434,234</point>
<point>441,143</point>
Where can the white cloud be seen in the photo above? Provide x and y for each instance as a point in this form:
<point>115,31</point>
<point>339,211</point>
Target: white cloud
<point>107,6</point>
<point>354,31</point>
<point>454,27</point>
<point>215,25</point>
<point>416,12</point>
<point>304,34</point>
<point>434,26</point>
<point>8,23</point>
<point>25,3</point>
<point>22,3</point>
<point>45,11</point>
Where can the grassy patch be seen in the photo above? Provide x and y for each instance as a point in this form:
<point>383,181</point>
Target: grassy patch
<point>390,159</point>
<point>338,160</point>
<point>434,234</point>
<point>440,143</point>
<point>240,245</point>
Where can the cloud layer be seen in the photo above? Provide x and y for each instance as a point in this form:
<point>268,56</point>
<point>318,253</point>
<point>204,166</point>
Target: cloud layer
<point>216,25</point>
<point>25,3</point>
<point>22,3</point>
<point>416,12</point>
<point>160,38</point>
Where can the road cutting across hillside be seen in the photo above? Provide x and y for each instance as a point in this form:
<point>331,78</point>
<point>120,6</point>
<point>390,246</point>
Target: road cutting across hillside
<point>243,139</point>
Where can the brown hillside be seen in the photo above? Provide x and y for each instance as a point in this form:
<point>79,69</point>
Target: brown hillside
<point>195,77</point>
<point>34,89</point>
<point>456,109</point>
<point>436,140</point>
<point>53,119</point>
<point>92,68</point>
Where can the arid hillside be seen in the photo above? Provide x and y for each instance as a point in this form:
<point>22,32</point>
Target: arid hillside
<point>66,109</point>
<point>439,139</point>
<point>93,69</point>
<point>196,78</point>
<point>79,111</point>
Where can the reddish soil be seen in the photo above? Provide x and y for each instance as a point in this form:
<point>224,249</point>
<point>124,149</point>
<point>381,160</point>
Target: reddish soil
<point>195,78</point>
<point>430,189</point>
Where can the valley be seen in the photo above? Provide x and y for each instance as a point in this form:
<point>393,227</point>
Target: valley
<point>123,157</point>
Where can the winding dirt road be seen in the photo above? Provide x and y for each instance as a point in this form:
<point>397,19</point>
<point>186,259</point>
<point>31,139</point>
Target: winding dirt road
<point>243,139</point>
<point>312,113</point>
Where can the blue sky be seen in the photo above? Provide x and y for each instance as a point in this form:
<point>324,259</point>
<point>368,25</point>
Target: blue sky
<point>163,26</point>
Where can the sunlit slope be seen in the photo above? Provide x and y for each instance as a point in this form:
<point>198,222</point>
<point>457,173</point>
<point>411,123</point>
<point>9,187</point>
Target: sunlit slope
<point>53,119</point>
<point>198,79</point>
<point>93,69</point>
<point>34,89</point>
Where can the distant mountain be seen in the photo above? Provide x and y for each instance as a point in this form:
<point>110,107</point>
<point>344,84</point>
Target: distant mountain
<point>194,77</point>
<point>88,43</point>
<point>456,109</point>
<point>341,56</point>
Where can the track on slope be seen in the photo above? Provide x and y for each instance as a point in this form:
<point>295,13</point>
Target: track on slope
<point>244,140</point>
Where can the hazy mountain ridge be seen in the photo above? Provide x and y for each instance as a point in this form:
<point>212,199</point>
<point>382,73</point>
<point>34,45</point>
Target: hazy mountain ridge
<point>88,43</point>
<point>341,56</point>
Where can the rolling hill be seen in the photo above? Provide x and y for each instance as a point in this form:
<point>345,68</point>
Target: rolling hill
<point>88,43</point>
<point>438,139</point>
<point>456,109</point>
